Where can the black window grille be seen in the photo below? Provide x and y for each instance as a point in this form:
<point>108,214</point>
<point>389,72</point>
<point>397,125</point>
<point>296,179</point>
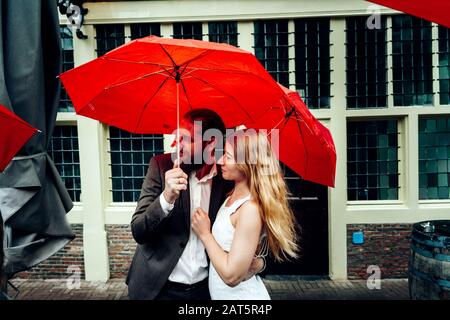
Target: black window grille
<point>224,32</point>
<point>64,151</point>
<point>366,68</point>
<point>130,156</point>
<point>412,61</point>
<point>434,158</point>
<point>272,48</point>
<point>312,61</point>
<point>372,160</point>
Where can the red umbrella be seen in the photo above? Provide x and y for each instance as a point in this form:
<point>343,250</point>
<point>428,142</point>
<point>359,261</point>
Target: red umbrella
<point>14,133</point>
<point>305,145</point>
<point>143,86</point>
<point>433,10</point>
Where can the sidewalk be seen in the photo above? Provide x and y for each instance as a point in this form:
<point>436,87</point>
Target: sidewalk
<point>116,289</point>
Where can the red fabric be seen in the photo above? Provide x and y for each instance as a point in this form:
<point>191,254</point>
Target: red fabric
<point>14,133</point>
<point>133,87</point>
<point>432,10</point>
<point>305,145</point>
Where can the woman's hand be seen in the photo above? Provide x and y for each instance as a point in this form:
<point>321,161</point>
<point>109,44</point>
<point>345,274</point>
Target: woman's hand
<point>201,223</point>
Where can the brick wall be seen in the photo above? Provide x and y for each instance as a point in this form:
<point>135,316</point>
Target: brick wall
<point>385,245</point>
<point>56,266</point>
<point>121,246</point>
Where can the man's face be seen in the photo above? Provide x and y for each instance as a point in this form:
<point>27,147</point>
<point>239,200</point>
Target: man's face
<point>191,143</point>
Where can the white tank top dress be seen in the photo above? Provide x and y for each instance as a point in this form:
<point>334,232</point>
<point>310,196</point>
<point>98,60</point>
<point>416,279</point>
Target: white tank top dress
<point>223,232</point>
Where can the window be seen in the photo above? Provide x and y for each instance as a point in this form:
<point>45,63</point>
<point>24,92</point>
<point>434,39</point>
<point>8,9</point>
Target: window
<point>109,36</point>
<point>372,160</point>
<point>312,61</point>
<point>444,65</point>
<point>366,64</point>
<point>187,30</point>
<point>130,156</point>
<point>139,30</point>
<point>64,151</point>
<point>225,32</point>
<point>434,158</point>
<point>65,104</point>
<point>412,61</point>
<point>271,48</point>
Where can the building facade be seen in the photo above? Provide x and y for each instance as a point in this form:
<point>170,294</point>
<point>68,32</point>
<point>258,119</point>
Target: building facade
<point>383,91</point>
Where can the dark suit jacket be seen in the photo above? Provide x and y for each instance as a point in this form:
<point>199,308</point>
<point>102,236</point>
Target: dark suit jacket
<point>161,240</point>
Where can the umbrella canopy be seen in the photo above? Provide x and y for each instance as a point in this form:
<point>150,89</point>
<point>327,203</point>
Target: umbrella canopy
<point>431,10</point>
<point>144,85</point>
<point>14,133</point>
<point>305,145</point>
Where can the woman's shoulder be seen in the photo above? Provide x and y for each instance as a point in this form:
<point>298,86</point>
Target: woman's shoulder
<point>249,210</point>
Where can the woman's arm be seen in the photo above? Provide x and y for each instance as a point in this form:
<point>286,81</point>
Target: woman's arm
<point>233,266</point>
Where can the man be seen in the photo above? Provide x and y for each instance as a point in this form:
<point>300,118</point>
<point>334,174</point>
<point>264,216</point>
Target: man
<point>170,262</point>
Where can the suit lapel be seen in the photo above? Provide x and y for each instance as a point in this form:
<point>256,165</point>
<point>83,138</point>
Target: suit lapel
<point>186,205</point>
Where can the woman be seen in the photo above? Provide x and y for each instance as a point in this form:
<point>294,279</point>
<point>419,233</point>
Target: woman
<point>253,219</point>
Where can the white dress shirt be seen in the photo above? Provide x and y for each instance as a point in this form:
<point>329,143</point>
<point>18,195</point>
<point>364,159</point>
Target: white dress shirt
<point>193,264</point>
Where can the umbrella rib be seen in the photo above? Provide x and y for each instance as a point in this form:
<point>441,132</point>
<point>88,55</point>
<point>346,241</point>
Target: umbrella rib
<point>136,79</point>
<point>170,73</point>
<point>134,62</point>
<point>228,95</point>
<point>185,92</point>
<point>170,57</point>
<point>285,119</point>
<point>148,102</point>
<point>200,55</point>
<point>229,71</point>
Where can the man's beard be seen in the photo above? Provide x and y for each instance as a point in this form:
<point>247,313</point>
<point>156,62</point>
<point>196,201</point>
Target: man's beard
<point>189,167</point>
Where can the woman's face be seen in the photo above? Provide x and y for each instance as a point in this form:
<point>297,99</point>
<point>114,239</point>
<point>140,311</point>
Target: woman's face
<point>228,164</point>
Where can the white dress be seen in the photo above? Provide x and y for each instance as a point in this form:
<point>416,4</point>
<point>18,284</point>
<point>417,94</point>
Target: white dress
<point>223,232</point>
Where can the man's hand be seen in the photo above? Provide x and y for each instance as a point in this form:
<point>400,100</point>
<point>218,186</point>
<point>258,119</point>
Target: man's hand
<point>175,182</point>
<point>255,268</point>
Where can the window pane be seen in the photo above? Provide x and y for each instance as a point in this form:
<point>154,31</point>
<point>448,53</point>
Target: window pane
<point>434,163</point>
<point>312,61</point>
<point>225,32</point>
<point>271,48</point>
<point>64,151</point>
<point>372,160</point>
<point>366,64</point>
<point>444,65</point>
<point>130,156</point>
<point>412,61</point>
<point>139,30</point>
<point>187,30</point>
<point>65,104</point>
<point>108,37</point>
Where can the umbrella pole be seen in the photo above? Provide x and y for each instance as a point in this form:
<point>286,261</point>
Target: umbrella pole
<point>178,122</point>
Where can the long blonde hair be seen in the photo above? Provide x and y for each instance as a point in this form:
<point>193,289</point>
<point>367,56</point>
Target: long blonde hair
<point>256,160</point>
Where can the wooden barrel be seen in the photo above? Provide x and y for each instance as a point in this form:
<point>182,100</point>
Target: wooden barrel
<point>429,261</point>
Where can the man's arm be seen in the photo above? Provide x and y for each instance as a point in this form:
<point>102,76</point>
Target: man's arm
<point>149,212</point>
